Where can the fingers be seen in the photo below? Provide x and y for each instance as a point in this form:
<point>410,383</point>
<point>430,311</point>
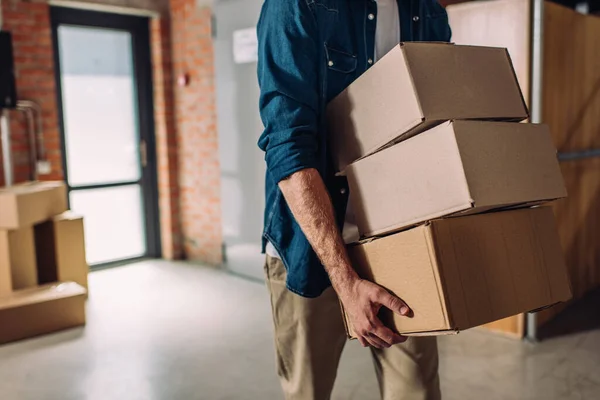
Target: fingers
<point>392,302</point>
<point>388,336</point>
<point>363,341</point>
<point>372,340</point>
<point>367,340</point>
<point>377,342</point>
<point>379,336</point>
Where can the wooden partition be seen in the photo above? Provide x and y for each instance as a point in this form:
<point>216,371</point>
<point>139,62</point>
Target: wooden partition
<point>571,78</point>
<point>570,105</point>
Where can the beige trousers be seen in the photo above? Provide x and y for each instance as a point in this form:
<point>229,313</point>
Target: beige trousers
<point>310,337</point>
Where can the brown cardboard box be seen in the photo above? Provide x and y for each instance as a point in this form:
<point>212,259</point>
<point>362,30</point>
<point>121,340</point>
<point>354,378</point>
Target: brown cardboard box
<point>17,256</point>
<point>27,204</point>
<point>456,166</point>
<point>40,310</point>
<point>416,86</point>
<point>458,273</point>
<point>5,273</point>
<point>60,250</point>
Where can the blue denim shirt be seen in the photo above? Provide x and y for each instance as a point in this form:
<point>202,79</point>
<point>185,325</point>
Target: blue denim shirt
<point>308,52</point>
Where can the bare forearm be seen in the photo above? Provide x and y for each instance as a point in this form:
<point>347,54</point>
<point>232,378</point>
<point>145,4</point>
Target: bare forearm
<point>309,201</point>
<point>311,205</point>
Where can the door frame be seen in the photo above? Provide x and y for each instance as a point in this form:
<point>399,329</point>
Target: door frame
<point>139,28</point>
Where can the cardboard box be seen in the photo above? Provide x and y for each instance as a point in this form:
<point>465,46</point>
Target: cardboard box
<point>5,273</point>
<point>458,273</point>
<point>41,310</point>
<point>60,250</point>
<point>416,86</point>
<point>27,204</point>
<point>17,260</point>
<point>469,166</point>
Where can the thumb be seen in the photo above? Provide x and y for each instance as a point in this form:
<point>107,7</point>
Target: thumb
<point>394,303</point>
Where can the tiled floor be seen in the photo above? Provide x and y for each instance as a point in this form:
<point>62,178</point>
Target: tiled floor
<point>173,331</point>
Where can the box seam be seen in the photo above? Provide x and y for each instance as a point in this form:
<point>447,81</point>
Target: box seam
<point>439,280</point>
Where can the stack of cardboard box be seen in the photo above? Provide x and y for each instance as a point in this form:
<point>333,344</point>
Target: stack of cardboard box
<point>445,187</point>
<point>43,271</point>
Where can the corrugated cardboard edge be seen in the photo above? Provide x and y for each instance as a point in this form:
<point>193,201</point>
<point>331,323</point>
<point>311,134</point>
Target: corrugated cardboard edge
<point>442,332</point>
<point>347,324</point>
<point>389,230</point>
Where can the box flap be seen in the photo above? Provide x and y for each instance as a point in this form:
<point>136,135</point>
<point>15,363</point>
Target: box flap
<point>477,82</point>
<point>420,179</point>
<point>507,163</point>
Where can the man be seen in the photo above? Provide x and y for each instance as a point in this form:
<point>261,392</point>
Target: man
<point>309,51</point>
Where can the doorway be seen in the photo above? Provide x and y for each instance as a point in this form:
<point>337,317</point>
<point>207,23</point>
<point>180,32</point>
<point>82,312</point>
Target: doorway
<point>104,85</point>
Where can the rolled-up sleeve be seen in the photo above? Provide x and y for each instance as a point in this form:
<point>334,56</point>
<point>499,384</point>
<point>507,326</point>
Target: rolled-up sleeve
<point>289,91</point>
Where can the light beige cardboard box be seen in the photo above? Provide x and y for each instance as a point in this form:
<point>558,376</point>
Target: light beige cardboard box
<point>60,250</point>
<point>416,86</point>
<point>458,273</point>
<point>17,260</point>
<point>460,166</point>
<point>27,204</point>
<point>41,310</point>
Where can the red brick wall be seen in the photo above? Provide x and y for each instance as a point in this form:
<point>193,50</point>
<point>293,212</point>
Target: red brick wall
<point>186,136</point>
<point>166,139</point>
<point>29,23</point>
<point>195,116</point>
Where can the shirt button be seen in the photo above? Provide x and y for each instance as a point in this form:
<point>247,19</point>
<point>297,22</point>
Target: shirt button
<point>371,17</point>
<point>330,63</point>
<point>416,18</point>
<point>343,190</point>
<point>370,61</point>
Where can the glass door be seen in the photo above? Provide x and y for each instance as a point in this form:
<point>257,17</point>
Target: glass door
<point>104,80</point>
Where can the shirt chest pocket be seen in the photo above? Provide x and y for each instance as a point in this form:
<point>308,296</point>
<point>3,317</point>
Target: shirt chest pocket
<point>436,23</point>
<point>340,71</point>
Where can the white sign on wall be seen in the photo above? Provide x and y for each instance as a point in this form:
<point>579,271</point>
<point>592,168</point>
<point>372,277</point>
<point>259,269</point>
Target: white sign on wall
<point>245,46</point>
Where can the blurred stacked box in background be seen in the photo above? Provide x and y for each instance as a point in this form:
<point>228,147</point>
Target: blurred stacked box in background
<point>43,272</point>
<point>445,187</point>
